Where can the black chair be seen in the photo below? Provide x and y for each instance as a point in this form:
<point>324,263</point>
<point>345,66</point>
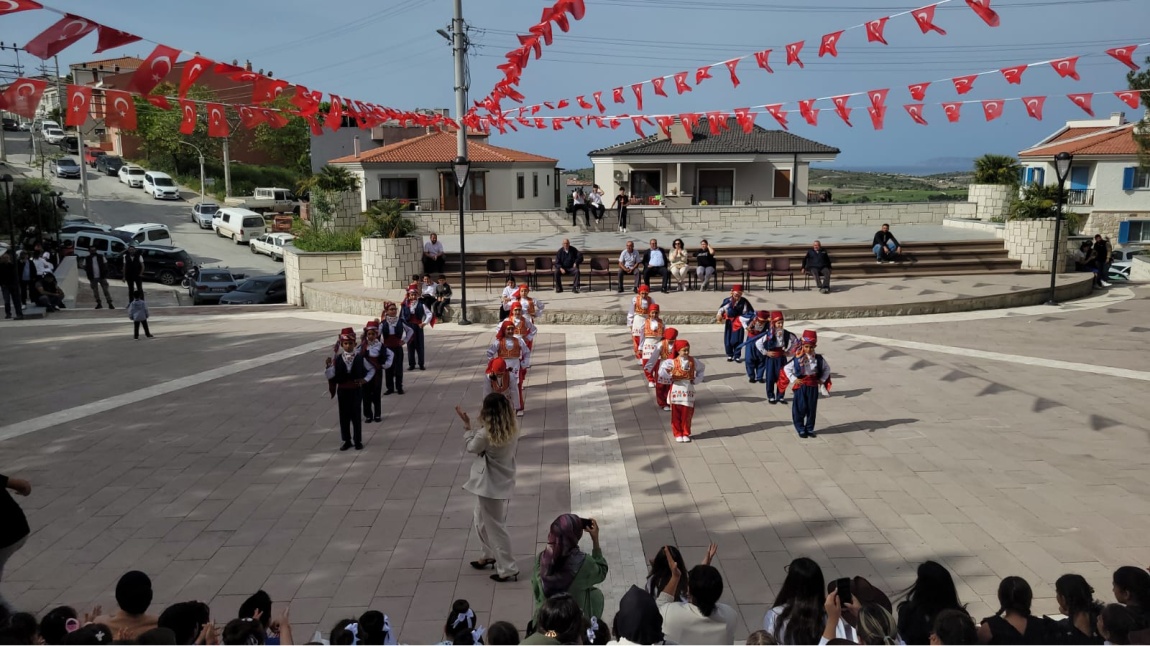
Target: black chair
<point>518,269</point>
<point>600,266</point>
<point>758,268</point>
<point>728,266</point>
<point>543,265</point>
<point>780,267</point>
<point>496,268</point>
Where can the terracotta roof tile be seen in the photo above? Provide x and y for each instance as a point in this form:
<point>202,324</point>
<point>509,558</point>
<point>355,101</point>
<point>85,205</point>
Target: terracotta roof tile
<point>439,148</point>
<point>1109,141</point>
<point>1074,133</point>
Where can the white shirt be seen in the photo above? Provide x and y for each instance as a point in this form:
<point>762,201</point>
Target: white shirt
<point>42,265</point>
<point>433,248</point>
<point>508,297</point>
<point>656,258</point>
<point>429,290</point>
<point>95,269</point>
<point>578,197</point>
<point>595,199</point>
<point>842,631</point>
<point>684,623</point>
<point>629,259</point>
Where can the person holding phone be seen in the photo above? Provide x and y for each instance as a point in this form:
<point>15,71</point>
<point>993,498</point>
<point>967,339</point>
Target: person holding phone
<point>563,567</point>
<point>492,481</point>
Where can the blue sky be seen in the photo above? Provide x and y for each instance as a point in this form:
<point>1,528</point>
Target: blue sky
<point>387,52</point>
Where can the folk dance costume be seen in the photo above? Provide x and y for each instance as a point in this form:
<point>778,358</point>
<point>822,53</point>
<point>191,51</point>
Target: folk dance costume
<point>395,335</point>
<point>809,371</point>
<point>416,315</point>
<point>346,374</point>
<point>754,361</point>
<point>733,313</point>
<point>683,371</point>
<point>500,379</point>
<point>637,315</point>
<point>515,353</point>
<point>662,352</point>
<point>524,327</point>
<point>532,307</point>
<point>380,359</point>
<point>777,346</point>
<point>649,336</point>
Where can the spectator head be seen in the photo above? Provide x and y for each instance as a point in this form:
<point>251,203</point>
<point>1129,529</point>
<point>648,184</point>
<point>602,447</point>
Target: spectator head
<point>654,243</point>
<point>344,633</point>
<point>57,623</point>
<point>502,633</point>
<point>660,569</point>
<point>1075,596</point>
<point>434,238</point>
<point>510,282</point>
<point>953,626</point>
<point>134,592</point>
<point>703,244</point>
<point>677,243</point>
<point>816,245</point>
<point>638,620</point>
<point>704,587</point>
<point>246,631</point>
<point>1115,623</point>
<point>186,619</point>
<point>932,591</point>
<point>630,245</point>
<point>597,632</point>
<point>259,601</point>
<point>561,619</point>
<point>566,243</point>
<point>23,627</point>
<point>374,628</point>
<point>801,599</point>
<point>1132,586</point>
<point>158,636</point>
<point>461,626</point>
<point>561,559</point>
<point>1014,595</point>
<point>92,249</point>
<point>876,625</point>
<point>761,638</point>
<point>1097,237</point>
<point>441,279</point>
<point>885,227</point>
<point>90,634</point>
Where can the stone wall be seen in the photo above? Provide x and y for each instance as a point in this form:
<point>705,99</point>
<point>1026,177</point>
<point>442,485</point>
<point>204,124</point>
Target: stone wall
<point>1031,241</point>
<point>996,228</point>
<point>1106,223</point>
<point>303,267</point>
<point>389,263</point>
<point>991,200</point>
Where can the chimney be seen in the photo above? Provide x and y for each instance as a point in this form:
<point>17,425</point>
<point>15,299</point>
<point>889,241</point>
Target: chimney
<point>679,132</point>
<point>247,66</point>
<point>355,146</point>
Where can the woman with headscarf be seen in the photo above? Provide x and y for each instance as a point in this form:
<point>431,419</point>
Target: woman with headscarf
<point>563,567</point>
<point>492,481</point>
<point>638,620</point>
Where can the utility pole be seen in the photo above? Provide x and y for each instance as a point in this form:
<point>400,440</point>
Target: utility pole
<point>462,163</point>
<point>19,71</point>
<point>79,140</point>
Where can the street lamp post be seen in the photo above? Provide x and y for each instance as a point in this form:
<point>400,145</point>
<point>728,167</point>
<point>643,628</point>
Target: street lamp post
<point>1062,162</point>
<point>55,196</point>
<point>39,219</point>
<point>6,180</point>
<point>462,167</point>
<point>201,154</point>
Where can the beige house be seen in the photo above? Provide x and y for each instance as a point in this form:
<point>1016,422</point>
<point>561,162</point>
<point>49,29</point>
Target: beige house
<point>762,167</point>
<point>419,171</point>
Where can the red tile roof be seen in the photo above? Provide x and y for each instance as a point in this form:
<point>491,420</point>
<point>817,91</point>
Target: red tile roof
<point>125,63</point>
<point>1074,133</point>
<point>1109,141</point>
<point>439,148</point>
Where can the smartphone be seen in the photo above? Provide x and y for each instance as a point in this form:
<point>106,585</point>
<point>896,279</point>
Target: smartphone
<point>586,523</point>
<point>844,590</point>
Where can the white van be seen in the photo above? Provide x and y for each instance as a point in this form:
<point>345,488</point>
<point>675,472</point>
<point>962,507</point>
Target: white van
<point>107,244</point>
<point>241,225</point>
<point>152,234</point>
<point>160,186</point>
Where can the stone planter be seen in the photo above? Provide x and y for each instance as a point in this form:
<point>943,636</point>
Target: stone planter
<point>1032,242</point>
<point>304,267</point>
<point>991,200</point>
<point>389,263</point>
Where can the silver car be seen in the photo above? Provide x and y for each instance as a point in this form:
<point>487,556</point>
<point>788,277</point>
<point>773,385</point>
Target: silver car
<point>202,214</point>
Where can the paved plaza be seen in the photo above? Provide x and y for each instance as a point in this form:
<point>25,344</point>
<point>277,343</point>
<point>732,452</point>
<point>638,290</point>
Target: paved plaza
<point>1006,442</point>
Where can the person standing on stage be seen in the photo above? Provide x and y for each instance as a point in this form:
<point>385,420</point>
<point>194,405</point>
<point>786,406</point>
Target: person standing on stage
<point>808,371</point>
<point>732,313</point>
<point>752,358</point>
<point>637,316</point>
<point>346,374</point>
<point>380,358</point>
<point>650,336</point>
<point>683,371</point>
<point>499,378</point>
<point>416,315</point>
<point>514,351</point>
<point>492,481</point>
<point>777,347</point>
<point>663,352</point>
<point>395,334</point>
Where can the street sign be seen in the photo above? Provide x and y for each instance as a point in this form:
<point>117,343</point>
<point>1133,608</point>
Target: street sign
<point>210,181</point>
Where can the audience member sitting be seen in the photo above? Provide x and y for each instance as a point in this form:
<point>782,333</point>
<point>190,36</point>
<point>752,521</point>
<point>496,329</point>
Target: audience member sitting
<point>1132,589</point>
<point>817,263</point>
<point>188,620</point>
<point>705,265</point>
<point>47,292</point>
<point>246,631</point>
<point>761,638</point>
<point>558,621</point>
<point>932,592</point>
<point>259,607</point>
<point>678,260</point>
<point>133,595</point>
<point>563,568</point>
<point>864,594</point>
<point>375,628</point>
<point>22,629</point>
<point>157,637</point>
<point>659,572</point>
<point>502,633</point>
<point>442,296</point>
<point>462,627</point>
<point>629,266</point>
<point>1013,623</point>
<point>876,625</point>
<point>700,618</point>
<point>1115,623</point>
<point>638,620</point>
<point>60,621</point>
<point>507,298</point>
<point>797,614</point>
<point>1075,600</point>
<point>94,633</point>
<point>597,633</point>
<point>952,626</point>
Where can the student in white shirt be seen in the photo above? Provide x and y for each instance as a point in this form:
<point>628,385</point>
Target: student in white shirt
<point>701,619</point>
<point>596,200</point>
<point>508,297</point>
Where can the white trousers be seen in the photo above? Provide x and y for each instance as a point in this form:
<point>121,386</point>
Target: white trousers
<point>491,527</point>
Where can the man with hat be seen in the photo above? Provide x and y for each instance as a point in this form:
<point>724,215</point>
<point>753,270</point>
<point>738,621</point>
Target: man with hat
<point>395,334</point>
<point>663,351</point>
<point>683,371</point>
<point>500,379</point>
<point>416,315</point>
<point>637,315</point>
<point>346,374</point>
<point>650,336</point>
<point>734,313</point>
<point>776,346</point>
<point>532,307</point>
<point>754,361</point>
<point>380,359</point>
<point>808,370</point>
<point>514,352</point>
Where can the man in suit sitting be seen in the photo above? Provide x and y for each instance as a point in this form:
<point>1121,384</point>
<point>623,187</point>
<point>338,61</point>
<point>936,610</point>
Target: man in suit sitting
<point>655,262</point>
<point>818,264</point>
<point>567,261</point>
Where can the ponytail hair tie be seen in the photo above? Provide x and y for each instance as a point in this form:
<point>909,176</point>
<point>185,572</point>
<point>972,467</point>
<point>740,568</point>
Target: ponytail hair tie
<point>353,628</point>
<point>468,616</point>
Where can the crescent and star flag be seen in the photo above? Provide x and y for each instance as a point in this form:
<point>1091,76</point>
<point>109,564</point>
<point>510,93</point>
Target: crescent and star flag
<point>779,114</point>
<point>964,84</point>
<point>703,72</point>
<point>830,44</point>
<point>188,122</point>
<point>112,38</point>
<point>681,83</point>
<point>1067,67</point>
<point>217,121</point>
<point>874,31</point>
<point>925,19</point>
<point>1130,97</point>
<point>120,111</point>
<point>1034,106</point>
<point>156,66</point>
<point>1083,101</point>
<point>731,65</point>
<point>992,109</point>
<point>1013,74</point>
<point>1125,55</point>
<point>617,95</point>
<point>841,108</point>
<point>918,91</point>
<point>915,112</point>
<point>657,83</point>
<point>982,8</point>
<point>809,112</point>
<point>953,111</point>
<point>23,96</point>
<point>638,90</point>
<point>78,98</point>
<point>793,53</point>
<point>192,71</point>
<point>59,36</point>
<point>12,6</point>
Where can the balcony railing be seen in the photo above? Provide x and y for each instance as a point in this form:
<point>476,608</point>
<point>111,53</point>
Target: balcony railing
<point>1080,197</point>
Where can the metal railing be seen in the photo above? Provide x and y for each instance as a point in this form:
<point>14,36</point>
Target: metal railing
<point>1080,197</point>
<point>415,204</point>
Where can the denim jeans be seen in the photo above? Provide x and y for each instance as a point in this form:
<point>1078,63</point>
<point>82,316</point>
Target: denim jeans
<point>878,249</point>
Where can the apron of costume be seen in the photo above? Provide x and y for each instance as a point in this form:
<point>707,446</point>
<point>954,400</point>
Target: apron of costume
<point>651,339</point>
<point>642,304</point>
<point>682,390</point>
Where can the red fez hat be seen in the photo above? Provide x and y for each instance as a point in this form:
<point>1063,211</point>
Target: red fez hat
<point>737,287</point>
<point>496,365</point>
<point>372,325</point>
<point>679,345</point>
<point>762,315</point>
<point>643,289</point>
<point>654,307</point>
<point>810,337</point>
<point>776,316</point>
<point>670,334</point>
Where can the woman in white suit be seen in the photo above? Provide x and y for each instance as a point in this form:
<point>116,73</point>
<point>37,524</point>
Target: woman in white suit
<point>492,481</point>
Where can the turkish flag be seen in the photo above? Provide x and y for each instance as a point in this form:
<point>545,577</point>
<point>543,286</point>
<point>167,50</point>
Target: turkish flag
<point>59,36</point>
<point>638,128</point>
<point>598,96</point>
<point>583,103</point>
<point>1013,74</point>
<point>918,91</point>
<point>556,123</point>
<point>982,8</point>
<point>731,65</point>
<point>657,83</point>
<point>841,108</point>
<point>119,110</point>
<point>12,6</point>
<point>878,97</point>
<point>614,122</point>
<point>536,108</point>
<point>274,118</point>
<point>578,121</point>
<point>665,122</point>
<point>560,19</point>
<point>703,72</point>
<point>307,101</point>
<point>953,111</point>
<point>314,125</point>
<point>992,109</point>
<point>543,30</point>
<point>531,42</point>
<point>251,117</point>
<point>830,44</point>
<point>547,104</point>
<point>112,38</point>
<point>681,83</point>
<point>334,114</point>
<point>925,19</point>
<point>575,7</point>
<point>23,96</point>
<point>154,69</point>
<point>78,98</point>
<point>763,60</point>
<point>1129,96</point>
<point>746,119</point>
<point>809,112</point>
<point>779,114</point>
<point>188,122</point>
<point>229,70</point>
<point>793,54</point>
<point>617,95</point>
<point>874,31</point>
<point>563,103</point>
<point>192,71</point>
<point>1125,55</point>
<point>266,90</point>
<point>717,121</point>
<point>1067,67</point>
<point>915,112</point>
<point>158,101</point>
<point>1083,101</point>
<point>877,114</point>
<point>964,84</point>
<point>1034,105</point>
<point>540,123</point>
<point>597,119</point>
<point>688,120</point>
<point>637,88</point>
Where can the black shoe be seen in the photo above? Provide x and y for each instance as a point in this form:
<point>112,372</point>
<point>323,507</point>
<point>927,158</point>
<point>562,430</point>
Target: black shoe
<point>620,291</point>
<point>378,418</point>
<point>504,579</point>
<point>99,306</point>
<point>388,391</point>
<point>149,336</point>
<point>576,290</point>
<point>399,390</point>
<point>772,401</point>
<point>359,446</point>
<point>63,306</point>
<point>811,434</point>
<point>663,290</point>
<point>422,368</point>
<point>110,306</point>
<point>345,446</point>
<point>483,564</point>
<point>803,435</point>
<point>558,290</point>
<point>751,379</point>
<point>368,419</point>
<point>7,316</point>
<point>410,368</point>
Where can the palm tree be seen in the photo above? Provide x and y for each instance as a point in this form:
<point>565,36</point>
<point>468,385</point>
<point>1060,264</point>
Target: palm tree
<point>335,179</point>
<point>997,169</point>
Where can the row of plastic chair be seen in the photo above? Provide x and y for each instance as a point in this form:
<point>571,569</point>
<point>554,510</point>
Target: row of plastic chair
<point>769,269</point>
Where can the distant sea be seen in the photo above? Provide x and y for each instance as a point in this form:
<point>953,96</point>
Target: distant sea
<point>925,167</point>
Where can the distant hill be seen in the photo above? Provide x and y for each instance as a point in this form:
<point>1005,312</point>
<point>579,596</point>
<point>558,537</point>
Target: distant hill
<point>860,186</point>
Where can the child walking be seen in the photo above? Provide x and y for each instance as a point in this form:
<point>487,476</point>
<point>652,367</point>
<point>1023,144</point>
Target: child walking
<point>138,313</point>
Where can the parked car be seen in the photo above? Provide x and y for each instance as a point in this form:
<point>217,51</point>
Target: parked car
<point>142,233</point>
<point>1126,253</point>
<point>241,225</point>
<point>209,285</point>
<point>53,135</point>
<point>91,156</point>
<point>165,265</point>
<point>70,144</point>
<point>271,244</point>
<point>10,125</point>
<point>70,230</point>
<point>260,290</point>
<point>109,164</point>
<point>266,200</point>
<point>109,244</point>
<point>131,175</point>
<point>160,186</point>
<point>66,167</point>
<point>202,213</point>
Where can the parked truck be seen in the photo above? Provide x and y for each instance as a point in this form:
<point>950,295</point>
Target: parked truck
<point>266,200</point>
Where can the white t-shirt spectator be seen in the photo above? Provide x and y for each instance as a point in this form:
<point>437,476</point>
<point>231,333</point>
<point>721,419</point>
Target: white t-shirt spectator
<point>578,197</point>
<point>629,259</point>
<point>684,623</point>
<point>596,200</point>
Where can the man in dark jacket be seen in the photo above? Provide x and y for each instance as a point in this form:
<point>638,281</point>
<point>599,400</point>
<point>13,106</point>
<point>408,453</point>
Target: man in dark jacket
<point>10,286</point>
<point>97,269</point>
<point>134,270</point>
<point>47,292</point>
<point>13,524</point>
<point>567,261</point>
<point>27,274</point>
<point>655,261</point>
<point>1101,256</point>
<point>818,264</point>
<point>885,245</point>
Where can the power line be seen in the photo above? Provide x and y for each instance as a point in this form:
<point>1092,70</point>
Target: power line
<point>742,7</point>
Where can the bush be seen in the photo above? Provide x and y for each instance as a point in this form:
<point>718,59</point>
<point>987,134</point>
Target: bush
<point>385,220</point>
<point>309,239</point>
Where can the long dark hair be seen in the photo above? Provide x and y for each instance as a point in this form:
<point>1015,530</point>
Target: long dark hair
<point>561,615</point>
<point>1078,597</point>
<point>1136,581</point>
<point>661,572</point>
<point>1118,622</point>
<point>705,587</point>
<point>1014,595</point>
<point>932,592</point>
<point>678,241</point>
<point>801,599</point>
